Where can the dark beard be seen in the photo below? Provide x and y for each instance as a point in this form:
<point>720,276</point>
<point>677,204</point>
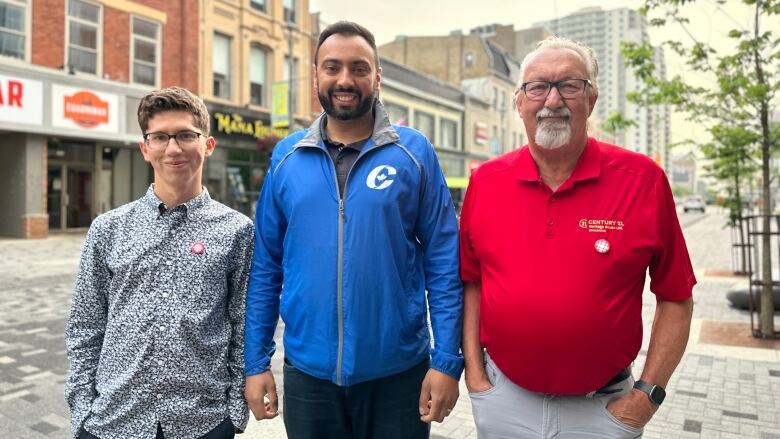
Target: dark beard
<point>364,105</point>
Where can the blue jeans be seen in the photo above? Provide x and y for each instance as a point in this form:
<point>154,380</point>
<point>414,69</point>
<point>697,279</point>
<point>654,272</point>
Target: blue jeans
<point>385,408</point>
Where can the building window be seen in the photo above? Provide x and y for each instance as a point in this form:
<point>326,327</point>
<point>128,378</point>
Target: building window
<point>145,51</point>
<point>503,100</point>
<point>289,11</point>
<point>397,114</point>
<point>258,5</point>
<point>258,68</point>
<point>495,142</point>
<point>12,29</point>
<point>449,134</point>
<point>469,59</point>
<point>221,59</point>
<point>495,98</point>
<point>83,36</point>
<point>425,123</point>
<point>294,82</point>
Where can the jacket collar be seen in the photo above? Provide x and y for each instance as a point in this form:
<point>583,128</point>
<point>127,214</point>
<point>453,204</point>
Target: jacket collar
<point>383,133</point>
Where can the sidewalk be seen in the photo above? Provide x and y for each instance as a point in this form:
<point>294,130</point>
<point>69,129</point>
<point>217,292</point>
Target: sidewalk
<point>719,390</point>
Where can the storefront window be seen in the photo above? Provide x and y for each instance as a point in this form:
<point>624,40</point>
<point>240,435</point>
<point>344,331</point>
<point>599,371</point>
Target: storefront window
<point>234,177</point>
<point>449,134</point>
<point>397,114</point>
<point>425,123</point>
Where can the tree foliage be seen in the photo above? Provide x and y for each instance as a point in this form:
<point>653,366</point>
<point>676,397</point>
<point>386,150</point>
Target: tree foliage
<point>734,106</point>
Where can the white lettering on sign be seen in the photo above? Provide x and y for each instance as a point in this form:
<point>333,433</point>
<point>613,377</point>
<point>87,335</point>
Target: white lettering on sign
<point>21,101</point>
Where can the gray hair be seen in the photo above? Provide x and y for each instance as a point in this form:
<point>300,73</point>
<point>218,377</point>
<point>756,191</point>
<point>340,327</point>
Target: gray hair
<point>555,42</point>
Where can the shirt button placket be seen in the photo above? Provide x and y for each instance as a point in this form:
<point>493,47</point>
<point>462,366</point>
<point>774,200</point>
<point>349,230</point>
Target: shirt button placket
<point>551,215</point>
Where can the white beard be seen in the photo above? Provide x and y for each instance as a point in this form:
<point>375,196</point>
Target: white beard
<point>552,134</point>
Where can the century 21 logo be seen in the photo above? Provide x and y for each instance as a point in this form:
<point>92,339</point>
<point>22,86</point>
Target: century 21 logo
<point>379,177</point>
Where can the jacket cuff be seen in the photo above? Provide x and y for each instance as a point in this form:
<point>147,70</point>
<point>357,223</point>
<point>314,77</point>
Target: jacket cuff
<point>447,363</point>
<point>259,366</point>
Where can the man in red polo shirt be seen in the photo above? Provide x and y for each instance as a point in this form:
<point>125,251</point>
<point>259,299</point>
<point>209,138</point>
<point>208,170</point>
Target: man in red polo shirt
<point>556,238</point>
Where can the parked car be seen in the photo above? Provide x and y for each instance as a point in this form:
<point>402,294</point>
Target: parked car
<point>693,202</point>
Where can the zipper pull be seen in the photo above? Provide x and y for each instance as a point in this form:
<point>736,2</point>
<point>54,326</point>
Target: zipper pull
<point>341,210</point>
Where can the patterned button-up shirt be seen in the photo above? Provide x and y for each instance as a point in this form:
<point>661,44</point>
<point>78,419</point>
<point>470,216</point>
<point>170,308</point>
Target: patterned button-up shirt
<point>156,327</point>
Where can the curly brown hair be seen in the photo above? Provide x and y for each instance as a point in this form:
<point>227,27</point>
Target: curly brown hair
<point>173,99</point>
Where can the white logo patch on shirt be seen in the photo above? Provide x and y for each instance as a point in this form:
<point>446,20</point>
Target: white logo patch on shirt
<point>379,177</point>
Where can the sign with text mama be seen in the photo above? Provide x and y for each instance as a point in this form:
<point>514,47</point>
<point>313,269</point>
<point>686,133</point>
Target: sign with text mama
<point>83,109</point>
<point>21,101</point>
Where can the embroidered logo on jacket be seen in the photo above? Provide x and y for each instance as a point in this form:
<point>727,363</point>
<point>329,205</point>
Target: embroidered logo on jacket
<point>379,177</point>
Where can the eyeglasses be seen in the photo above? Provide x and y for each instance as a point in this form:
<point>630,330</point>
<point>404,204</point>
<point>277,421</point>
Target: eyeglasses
<point>183,138</point>
<point>568,88</point>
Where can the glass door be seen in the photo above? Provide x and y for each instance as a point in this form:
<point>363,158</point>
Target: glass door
<point>79,197</point>
<point>55,193</point>
<point>69,196</point>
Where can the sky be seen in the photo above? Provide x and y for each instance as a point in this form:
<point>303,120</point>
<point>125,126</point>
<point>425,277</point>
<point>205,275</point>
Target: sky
<point>387,19</point>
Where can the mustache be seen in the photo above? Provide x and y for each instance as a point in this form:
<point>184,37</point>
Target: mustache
<point>546,112</point>
<point>344,90</point>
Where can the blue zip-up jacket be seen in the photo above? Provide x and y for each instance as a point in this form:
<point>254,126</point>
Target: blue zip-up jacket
<point>350,277</point>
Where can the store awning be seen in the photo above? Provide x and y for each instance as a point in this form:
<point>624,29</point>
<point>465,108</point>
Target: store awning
<point>457,182</point>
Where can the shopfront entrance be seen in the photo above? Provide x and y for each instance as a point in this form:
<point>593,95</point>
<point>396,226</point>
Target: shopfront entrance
<point>70,185</point>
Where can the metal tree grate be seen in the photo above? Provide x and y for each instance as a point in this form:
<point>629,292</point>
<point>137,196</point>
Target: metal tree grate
<point>753,225</point>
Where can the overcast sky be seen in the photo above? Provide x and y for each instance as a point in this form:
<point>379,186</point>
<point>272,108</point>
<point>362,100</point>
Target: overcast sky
<point>390,18</point>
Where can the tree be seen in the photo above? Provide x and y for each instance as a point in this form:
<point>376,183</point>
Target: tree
<point>735,108</point>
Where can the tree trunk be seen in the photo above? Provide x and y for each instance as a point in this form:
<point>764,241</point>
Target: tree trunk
<point>767,316</point>
<point>739,221</point>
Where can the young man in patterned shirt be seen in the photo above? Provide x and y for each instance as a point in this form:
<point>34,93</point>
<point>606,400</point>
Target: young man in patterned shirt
<point>156,327</point>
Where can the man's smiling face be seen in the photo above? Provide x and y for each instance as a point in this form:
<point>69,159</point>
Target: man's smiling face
<point>347,78</point>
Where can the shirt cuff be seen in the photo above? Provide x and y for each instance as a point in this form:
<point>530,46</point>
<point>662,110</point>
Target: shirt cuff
<point>238,411</point>
<point>79,412</point>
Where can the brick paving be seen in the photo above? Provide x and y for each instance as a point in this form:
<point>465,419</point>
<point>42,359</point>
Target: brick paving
<point>718,391</point>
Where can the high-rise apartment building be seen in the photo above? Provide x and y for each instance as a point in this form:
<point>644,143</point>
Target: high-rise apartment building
<point>604,30</point>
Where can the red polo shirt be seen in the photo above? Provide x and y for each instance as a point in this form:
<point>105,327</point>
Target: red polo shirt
<point>562,272</point>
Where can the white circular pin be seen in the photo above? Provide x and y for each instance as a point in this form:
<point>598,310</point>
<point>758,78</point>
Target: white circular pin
<point>602,246</point>
<point>198,248</point>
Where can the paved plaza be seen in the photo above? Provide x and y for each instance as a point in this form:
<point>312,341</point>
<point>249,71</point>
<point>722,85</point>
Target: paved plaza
<point>718,391</point>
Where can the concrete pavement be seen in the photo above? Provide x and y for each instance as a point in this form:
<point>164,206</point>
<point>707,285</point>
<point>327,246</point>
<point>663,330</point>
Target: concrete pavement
<point>722,389</point>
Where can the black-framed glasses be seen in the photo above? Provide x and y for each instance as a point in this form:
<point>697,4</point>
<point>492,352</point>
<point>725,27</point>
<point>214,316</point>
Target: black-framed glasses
<point>568,88</point>
<point>183,138</point>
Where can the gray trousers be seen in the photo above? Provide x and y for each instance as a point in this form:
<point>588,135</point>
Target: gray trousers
<point>506,411</point>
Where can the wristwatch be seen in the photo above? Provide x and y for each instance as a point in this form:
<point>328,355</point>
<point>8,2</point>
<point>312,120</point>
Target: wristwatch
<point>655,393</point>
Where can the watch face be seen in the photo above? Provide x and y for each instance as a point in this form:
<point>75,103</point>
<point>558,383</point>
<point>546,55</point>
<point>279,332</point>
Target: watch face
<point>657,395</point>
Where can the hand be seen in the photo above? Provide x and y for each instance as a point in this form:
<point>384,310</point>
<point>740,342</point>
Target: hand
<point>477,379</point>
<point>633,409</point>
<point>258,388</point>
<point>438,396</point>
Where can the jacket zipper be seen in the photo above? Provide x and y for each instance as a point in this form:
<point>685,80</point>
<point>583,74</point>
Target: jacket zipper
<point>340,269</point>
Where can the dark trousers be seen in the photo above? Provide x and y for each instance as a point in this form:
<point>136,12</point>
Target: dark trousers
<point>385,408</point>
<point>224,430</point>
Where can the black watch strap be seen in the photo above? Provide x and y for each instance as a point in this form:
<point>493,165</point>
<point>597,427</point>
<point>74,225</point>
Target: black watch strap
<point>655,393</point>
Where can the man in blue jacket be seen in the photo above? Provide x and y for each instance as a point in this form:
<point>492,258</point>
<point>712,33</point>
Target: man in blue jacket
<point>355,226</point>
